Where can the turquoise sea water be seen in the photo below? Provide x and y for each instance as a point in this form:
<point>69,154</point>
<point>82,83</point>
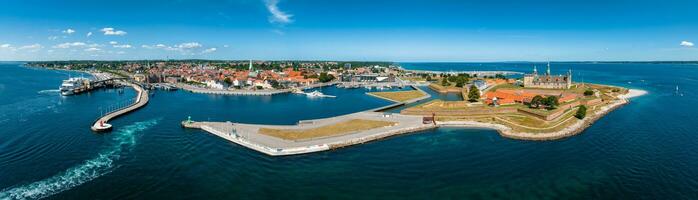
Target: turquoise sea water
<point>644,150</point>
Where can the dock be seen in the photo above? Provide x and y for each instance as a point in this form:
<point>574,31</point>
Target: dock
<point>240,92</point>
<point>101,125</point>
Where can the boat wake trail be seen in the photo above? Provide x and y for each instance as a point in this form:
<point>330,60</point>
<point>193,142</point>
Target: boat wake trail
<point>48,91</point>
<point>123,140</point>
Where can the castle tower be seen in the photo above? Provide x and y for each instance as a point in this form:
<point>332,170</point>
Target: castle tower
<point>535,71</point>
<point>569,79</point>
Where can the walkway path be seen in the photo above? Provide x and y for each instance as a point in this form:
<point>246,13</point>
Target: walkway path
<point>141,100</point>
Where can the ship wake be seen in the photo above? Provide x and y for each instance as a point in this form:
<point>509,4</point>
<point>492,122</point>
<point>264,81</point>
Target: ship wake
<point>123,140</point>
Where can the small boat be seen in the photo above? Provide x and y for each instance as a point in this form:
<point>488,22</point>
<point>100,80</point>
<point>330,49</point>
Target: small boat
<point>318,94</point>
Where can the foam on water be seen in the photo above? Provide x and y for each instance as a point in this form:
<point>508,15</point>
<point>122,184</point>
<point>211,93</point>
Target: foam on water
<point>49,91</point>
<point>123,140</point>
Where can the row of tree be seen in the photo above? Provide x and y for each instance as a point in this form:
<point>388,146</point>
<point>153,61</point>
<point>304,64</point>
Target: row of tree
<point>549,102</point>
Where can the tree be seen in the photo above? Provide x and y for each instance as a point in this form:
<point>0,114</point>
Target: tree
<point>444,82</point>
<point>459,84</point>
<point>228,81</point>
<point>324,77</point>
<point>428,78</point>
<point>581,112</point>
<point>473,94</point>
<point>588,93</point>
<point>551,102</point>
<point>536,101</point>
<point>274,84</point>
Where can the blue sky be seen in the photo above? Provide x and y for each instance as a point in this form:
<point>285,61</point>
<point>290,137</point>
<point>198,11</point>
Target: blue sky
<point>407,30</point>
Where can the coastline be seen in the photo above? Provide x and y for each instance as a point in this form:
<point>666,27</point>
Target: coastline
<point>571,130</point>
<point>247,134</point>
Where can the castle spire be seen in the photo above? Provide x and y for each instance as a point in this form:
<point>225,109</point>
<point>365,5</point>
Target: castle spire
<point>535,71</point>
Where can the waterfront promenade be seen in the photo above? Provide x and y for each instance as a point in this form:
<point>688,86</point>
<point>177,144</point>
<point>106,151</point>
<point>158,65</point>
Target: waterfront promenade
<point>248,135</point>
<point>265,92</point>
<point>141,99</point>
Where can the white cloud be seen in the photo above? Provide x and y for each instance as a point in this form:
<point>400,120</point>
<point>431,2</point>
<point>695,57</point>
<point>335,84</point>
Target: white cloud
<point>123,46</point>
<point>5,46</point>
<point>31,48</point>
<point>209,50</point>
<point>92,49</point>
<point>120,52</point>
<point>68,45</point>
<point>187,48</point>
<point>112,31</point>
<point>686,44</point>
<point>277,16</point>
<point>68,31</point>
<point>226,46</point>
<point>189,45</point>
<point>52,37</point>
<point>89,34</point>
<point>113,43</point>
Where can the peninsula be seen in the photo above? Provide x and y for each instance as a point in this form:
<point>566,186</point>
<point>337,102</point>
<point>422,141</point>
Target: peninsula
<point>527,106</point>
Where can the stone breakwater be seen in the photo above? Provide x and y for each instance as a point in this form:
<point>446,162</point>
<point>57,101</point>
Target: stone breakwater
<point>571,130</point>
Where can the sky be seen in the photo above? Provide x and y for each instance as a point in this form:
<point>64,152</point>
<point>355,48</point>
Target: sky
<point>372,30</point>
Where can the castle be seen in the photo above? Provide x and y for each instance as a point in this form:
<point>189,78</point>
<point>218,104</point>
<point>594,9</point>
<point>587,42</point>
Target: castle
<point>547,81</point>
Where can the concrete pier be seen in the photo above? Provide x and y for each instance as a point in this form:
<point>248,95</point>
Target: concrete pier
<point>101,124</point>
<point>248,135</point>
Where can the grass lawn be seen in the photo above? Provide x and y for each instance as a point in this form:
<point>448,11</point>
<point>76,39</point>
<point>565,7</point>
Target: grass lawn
<point>337,129</point>
<point>400,96</point>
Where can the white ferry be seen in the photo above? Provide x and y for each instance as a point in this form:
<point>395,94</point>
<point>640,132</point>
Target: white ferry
<point>72,85</point>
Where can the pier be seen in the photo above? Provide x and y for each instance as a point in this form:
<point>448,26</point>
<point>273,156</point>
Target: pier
<point>101,125</point>
<point>252,136</point>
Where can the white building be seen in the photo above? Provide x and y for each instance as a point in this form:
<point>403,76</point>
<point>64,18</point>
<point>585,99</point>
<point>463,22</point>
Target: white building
<point>214,85</point>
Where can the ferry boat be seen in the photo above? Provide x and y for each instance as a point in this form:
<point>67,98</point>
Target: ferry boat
<point>70,86</point>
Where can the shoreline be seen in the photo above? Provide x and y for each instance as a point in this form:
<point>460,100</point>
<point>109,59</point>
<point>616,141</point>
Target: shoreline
<point>569,131</point>
<point>247,135</point>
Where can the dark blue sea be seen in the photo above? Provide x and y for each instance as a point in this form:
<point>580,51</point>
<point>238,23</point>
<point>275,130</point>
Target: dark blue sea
<point>647,149</point>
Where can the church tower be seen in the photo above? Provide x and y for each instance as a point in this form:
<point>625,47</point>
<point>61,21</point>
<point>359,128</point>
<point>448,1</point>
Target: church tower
<point>547,72</point>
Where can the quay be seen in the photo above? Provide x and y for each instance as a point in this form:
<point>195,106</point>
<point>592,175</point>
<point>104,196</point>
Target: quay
<point>195,89</point>
<point>101,125</point>
<point>248,135</point>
